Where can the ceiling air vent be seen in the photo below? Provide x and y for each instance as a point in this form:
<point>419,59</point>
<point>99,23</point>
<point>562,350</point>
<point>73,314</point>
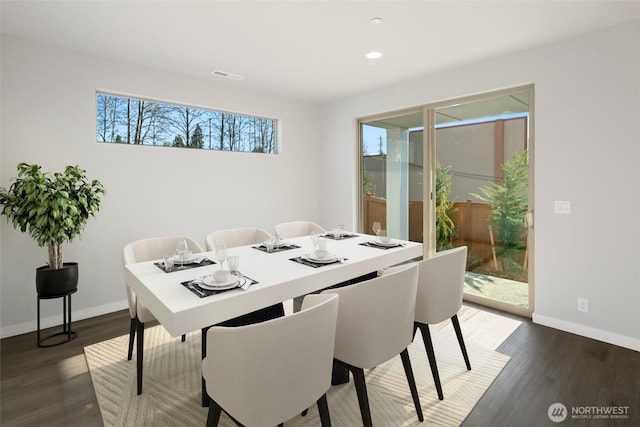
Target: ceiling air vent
<point>227,75</point>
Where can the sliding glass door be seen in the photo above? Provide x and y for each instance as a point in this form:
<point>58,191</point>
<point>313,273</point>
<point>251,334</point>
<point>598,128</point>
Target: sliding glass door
<point>482,154</point>
<point>459,173</point>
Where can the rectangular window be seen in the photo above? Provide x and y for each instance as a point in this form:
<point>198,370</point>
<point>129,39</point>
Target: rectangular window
<point>124,120</point>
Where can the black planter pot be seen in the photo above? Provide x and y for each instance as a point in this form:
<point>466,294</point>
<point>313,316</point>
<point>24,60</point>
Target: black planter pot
<point>52,283</point>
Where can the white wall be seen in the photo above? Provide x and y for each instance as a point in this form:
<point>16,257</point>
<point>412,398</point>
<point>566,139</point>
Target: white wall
<point>48,117</point>
<point>587,104</point>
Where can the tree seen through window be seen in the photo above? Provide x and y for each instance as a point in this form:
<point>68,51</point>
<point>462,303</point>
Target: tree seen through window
<point>135,121</point>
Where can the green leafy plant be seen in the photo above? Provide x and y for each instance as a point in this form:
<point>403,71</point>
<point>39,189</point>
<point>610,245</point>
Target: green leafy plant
<point>508,200</point>
<point>52,208</point>
<point>445,228</point>
<point>368,185</point>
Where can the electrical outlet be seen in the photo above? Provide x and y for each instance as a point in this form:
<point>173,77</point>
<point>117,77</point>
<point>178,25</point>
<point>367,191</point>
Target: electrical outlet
<point>583,305</point>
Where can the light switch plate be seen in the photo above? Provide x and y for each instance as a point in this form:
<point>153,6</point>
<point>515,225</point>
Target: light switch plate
<point>562,207</point>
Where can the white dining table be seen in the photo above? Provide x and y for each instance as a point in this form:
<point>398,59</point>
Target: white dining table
<point>279,279</point>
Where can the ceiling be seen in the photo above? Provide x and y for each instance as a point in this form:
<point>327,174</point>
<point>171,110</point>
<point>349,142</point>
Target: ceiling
<point>309,50</point>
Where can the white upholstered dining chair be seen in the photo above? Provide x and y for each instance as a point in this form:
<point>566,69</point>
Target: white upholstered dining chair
<point>261,374</point>
<point>288,230</point>
<point>439,297</point>
<point>375,324</point>
<point>234,237</point>
<point>140,251</point>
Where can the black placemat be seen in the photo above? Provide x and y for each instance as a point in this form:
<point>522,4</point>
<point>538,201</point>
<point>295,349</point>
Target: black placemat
<point>280,248</point>
<point>342,236</point>
<point>378,246</point>
<point>202,292</point>
<point>304,261</point>
<point>177,267</point>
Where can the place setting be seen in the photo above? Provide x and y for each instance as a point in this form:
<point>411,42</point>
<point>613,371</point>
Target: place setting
<point>320,255</point>
<point>339,233</point>
<point>182,259</point>
<point>220,280</point>
<point>274,245</point>
<point>382,241</point>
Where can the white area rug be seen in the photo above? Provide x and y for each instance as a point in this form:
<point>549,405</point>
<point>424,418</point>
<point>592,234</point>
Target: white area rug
<point>171,388</point>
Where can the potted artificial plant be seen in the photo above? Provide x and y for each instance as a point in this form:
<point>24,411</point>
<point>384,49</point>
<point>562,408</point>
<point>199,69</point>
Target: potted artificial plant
<point>52,208</point>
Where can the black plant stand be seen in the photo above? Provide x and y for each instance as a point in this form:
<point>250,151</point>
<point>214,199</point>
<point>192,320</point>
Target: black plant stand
<point>66,316</point>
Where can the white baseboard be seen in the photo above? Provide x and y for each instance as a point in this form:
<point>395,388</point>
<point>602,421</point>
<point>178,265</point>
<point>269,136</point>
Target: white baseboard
<point>56,320</point>
<point>585,331</point>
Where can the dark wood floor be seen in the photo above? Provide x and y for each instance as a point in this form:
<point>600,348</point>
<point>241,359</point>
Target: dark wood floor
<point>51,386</point>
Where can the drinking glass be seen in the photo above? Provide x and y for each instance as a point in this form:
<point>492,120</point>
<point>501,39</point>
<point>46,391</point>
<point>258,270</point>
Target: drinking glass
<point>233,261</point>
<point>221,255</point>
<point>270,244</point>
<point>168,262</point>
<point>181,249</point>
<point>315,236</point>
<point>376,228</point>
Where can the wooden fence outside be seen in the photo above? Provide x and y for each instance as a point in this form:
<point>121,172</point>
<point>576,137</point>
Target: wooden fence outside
<point>471,222</point>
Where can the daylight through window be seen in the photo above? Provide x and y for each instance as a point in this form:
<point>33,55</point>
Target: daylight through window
<point>124,120</point>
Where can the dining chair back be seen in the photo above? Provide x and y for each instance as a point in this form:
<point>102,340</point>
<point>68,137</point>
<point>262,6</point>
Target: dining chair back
<point>267,373</point>
<point>288,230</point>
<point>234,237</point>
<point>375,324</point>
<point>439,297</point>
<point>140,251</point>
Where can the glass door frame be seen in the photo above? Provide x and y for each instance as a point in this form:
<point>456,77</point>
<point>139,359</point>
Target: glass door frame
<point>360,162</point>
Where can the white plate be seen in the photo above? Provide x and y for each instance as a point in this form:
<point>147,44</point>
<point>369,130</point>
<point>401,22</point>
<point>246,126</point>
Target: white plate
<point>327,260</point>
<point>210,283</point>
<point>389,243</point>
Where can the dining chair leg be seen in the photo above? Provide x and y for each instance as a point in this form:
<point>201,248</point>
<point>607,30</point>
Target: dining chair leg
<point>206,400</point>
<point>213,417</point>
<point>184,337</point>
<point>428,345</point>
<point>363,398</point>
<point>456,326</point>
<point>132,336</point>
<point>406,362</point>
<point>139,355</point>
<point>323,408</point>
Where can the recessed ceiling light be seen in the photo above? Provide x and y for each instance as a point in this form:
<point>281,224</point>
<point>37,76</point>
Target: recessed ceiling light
<point>227,75</point>
<point>374,55</point>
<point>376,21</point>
